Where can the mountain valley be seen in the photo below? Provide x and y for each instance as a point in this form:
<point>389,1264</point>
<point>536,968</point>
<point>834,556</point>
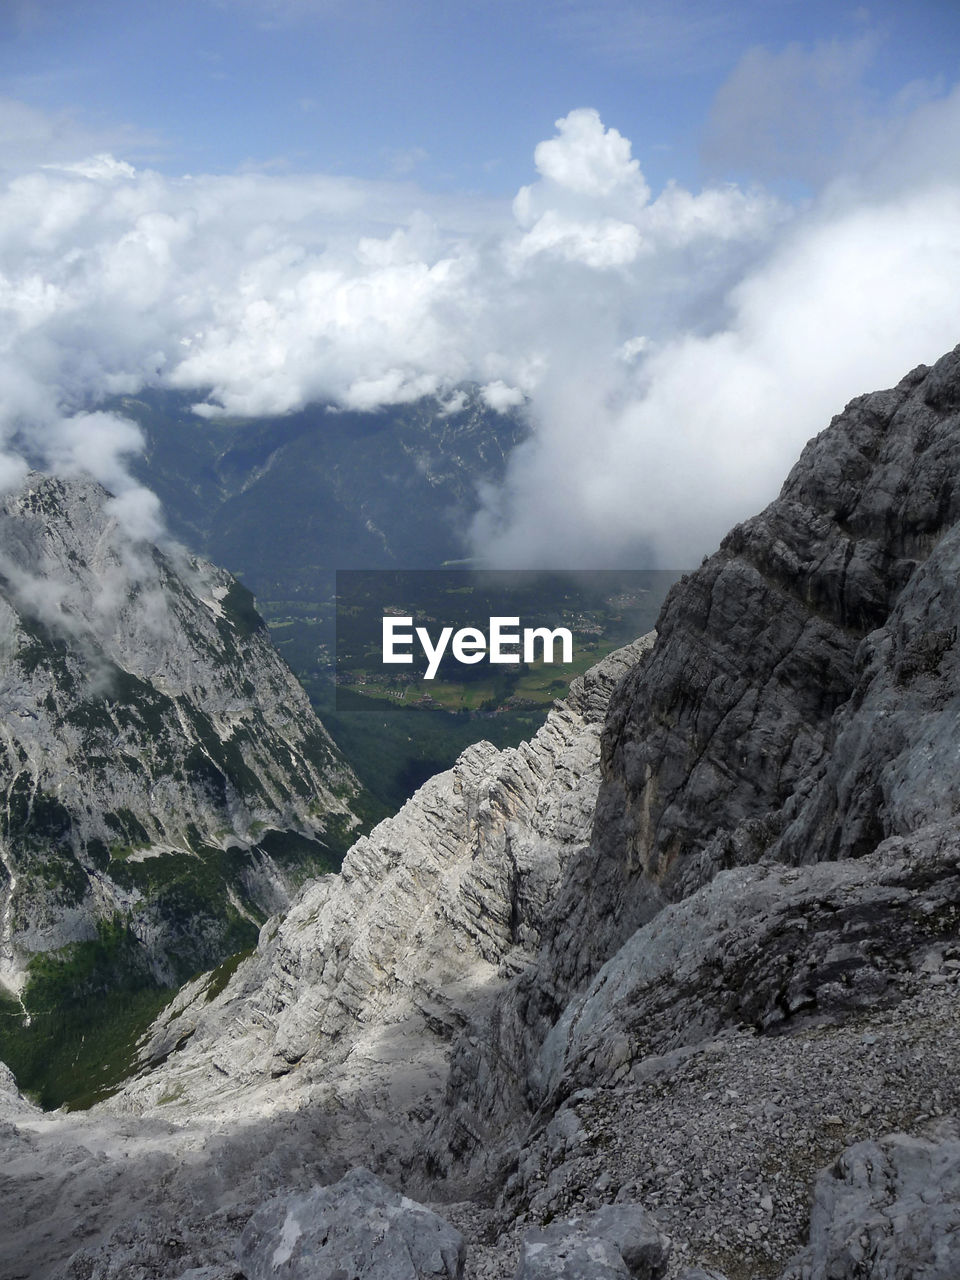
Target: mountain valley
<point>668,992</point>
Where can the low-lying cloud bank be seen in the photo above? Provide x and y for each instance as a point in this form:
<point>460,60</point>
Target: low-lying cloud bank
<point>673,351</point>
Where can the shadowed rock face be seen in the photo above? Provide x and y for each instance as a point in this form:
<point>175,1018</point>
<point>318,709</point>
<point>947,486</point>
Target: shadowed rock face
<point>714,749</point>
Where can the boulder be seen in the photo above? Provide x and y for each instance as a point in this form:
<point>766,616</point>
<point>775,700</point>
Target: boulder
<point>617,1240</point>
<point>357,1229</point>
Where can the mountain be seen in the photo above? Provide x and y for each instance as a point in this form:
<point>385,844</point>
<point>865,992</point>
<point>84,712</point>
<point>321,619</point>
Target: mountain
<point>332,1047</point>
<point>166,785</point>
<point>435,908</point>
<point>285,501</point>
<point>670,992</point>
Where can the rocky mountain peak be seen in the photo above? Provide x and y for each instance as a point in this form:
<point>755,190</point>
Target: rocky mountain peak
<point>711,751</point>
<point>163,776</point>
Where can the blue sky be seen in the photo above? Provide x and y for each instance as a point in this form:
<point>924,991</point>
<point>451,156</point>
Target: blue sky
<point>677,236</point>
<point>453,94</point>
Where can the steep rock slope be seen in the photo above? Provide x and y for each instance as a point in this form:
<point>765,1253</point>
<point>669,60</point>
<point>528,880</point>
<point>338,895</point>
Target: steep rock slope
<point>717,746</point>
<point>714,748</point>
<point>362,984</point>
<point>327,1047</point>
<point>162,775</point>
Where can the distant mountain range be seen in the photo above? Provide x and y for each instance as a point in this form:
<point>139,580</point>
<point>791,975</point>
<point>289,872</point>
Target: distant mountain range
<point>283,502</point>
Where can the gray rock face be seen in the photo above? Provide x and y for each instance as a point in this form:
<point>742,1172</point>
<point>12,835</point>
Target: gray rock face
<point>369,973</point>
<point>892,764</point>
<point>153,745</point>
<point>712,751</point>
<point>766,949</point>
<point>889,1210</point>
<point>357,1229</point>
<point>737,1040</point>
<point>12,1103</point>
<point>615,1241</point>
<point>800,705</point>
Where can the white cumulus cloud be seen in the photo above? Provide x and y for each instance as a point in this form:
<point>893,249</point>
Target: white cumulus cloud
<point>673,350</point>
<point>590,160</point>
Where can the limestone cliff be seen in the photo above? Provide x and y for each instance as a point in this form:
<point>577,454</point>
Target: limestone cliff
<point>800,705</point>
<point>161,771</point>
<point>711,756</point>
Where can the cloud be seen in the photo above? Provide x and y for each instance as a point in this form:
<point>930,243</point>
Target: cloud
<point>273,291</point>
<point>598,243</point>
<point>589,160</point>
<point>497,395</point>
<point>673,350</point>
<point>30,138</point>
<point>651,461</point>
<point>103,167</point>
<point>716,420</point>
<point>592,204</point>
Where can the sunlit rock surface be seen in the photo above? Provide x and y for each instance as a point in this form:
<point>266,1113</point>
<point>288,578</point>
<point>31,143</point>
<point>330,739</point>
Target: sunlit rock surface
<point>362,984</point>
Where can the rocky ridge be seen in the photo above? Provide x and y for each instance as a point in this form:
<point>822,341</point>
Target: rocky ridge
<point>370,973</point>
<point>343,1017</point>
<point>800,705</point>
